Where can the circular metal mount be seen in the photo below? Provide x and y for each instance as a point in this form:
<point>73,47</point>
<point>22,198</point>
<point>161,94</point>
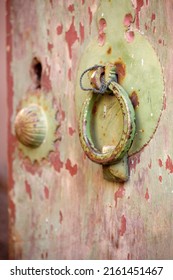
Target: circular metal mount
<point>88,136</point>
<point>31,126</point>
<point>139,73</point>
<point>36,125</point>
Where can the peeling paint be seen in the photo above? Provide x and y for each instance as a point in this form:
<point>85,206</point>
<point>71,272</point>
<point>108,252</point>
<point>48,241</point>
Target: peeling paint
<point>160,179</point>
<point>32,168</point>
<point>45,79</point>
<point>50,46</point>
<point>46,192</point>
<point>119,194</point>
<point>169,164</point>
<point>130,36</point>
<point>71,168</point>
<point>138,4</point>
<point>28,189</point>
<point>153,17</point>
<point>128,19</point>
<point>123,226</point>
<point>53,193</point>
<point>82,33</point>
<point>69,74</point>
<point>134,161</point>
<point>90,15</point>
<point>147,195</point>
<point>71,37</point>
<point>71,131</point>
<point>59,29</point>
<point>101,30</point>
<point>61,113</point>
<point>71,8</point>
<point>154,29</point>
<point>56,161</point>
<point>160,162</point>
<point>60,217</point>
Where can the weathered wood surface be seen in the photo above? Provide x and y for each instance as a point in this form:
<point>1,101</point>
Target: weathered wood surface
<point>62,208</point>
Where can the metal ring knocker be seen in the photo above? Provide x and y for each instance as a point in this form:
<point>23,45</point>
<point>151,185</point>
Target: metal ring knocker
<point>115,153</point>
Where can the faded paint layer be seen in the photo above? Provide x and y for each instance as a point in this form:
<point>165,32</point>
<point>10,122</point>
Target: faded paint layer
<point>68,210</point>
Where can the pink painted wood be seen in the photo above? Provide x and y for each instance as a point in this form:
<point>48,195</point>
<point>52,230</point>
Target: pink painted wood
<point>62,208</point>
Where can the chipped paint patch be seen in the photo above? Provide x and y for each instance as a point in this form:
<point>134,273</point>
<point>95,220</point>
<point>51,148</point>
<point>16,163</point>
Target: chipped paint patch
<point>153,17</point>
<point>46,192</point>
<point>87,210</point>
<point>138,4</point>
<point>122,229</point>
<point>50,46</point>
<point>160,162</point>
<point>101,31</point>
<point>169,164</point>
<point>128,19</point>
<point>32,168</point>
<point>134,161</point>
<point>69,74</point>
<point>90,15</point>
<point>71,37</point>
<point>160,179</point>
<point>56,161</point>
<point>82,33</point>
<point>71,168</point>
<point>147,195</point>
<point>119,194</point>
<point>45,79</point>
<point>71,8</point>
<point>28,189</point>
<point>60,217</point>
<point>130,35</point>
<point>71,131</point>
<point>59,29</point>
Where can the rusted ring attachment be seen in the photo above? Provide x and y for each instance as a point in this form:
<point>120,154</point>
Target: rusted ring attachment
<point>108,154</point>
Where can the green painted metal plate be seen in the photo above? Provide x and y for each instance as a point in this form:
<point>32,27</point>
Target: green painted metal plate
<point>139,72</point>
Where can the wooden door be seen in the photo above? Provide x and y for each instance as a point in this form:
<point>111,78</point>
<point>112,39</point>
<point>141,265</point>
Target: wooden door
<point>60,207</point>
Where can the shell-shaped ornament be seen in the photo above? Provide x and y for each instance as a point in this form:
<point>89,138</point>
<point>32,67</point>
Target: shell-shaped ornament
<point>36,125</point>
<point>31,126</point>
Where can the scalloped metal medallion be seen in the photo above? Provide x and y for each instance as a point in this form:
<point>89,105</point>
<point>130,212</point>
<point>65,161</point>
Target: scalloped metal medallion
<point>36,126</point>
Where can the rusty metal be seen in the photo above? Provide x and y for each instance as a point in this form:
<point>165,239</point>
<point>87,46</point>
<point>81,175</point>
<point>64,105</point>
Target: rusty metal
<point>118,172</point>
<point>31,125</point>
<point>139,72</point>
<point>95,77</point>
<point>68,210</point>
<point>35,125</point>
<point>109,154</point>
